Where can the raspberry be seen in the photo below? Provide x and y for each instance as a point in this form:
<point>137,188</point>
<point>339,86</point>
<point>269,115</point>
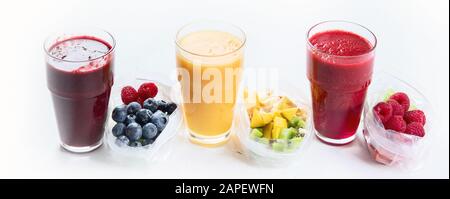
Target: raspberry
<point>402,99</point>
<point>397,109</point>
<point>383,111</point>
<point>415,116</point>
<point>396,123</point>
<point>128,94</point>
<point>415,128</point>
<point>140,100</point>
<point>148,90</point>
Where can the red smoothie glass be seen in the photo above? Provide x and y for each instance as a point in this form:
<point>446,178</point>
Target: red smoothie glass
<point>80,67</point>
<point>340,57</point>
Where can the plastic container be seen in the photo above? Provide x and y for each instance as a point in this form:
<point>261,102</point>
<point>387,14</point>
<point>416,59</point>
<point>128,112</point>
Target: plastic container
<point>387,146</point>
<point>261,153</point>
<point>165,92</point>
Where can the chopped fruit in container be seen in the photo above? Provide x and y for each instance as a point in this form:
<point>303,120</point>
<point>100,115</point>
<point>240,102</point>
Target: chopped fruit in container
<point>276,121</point>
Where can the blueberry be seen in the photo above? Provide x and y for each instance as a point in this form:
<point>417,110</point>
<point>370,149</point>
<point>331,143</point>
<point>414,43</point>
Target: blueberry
<point>162,105</point>
<point>118,129</point>
<point>170,107</point>
<point>151,104</point>
<point>122,140</point>
<point>147,142</point>
<point>160,113</point>
<point>133,107</point>
<point>135,144</point>
<point>119,113</point>
<point>133,131</point>
<point>160,120</point>
<point>130,119</point>
<point>149,131</point>
<point>143,116</point>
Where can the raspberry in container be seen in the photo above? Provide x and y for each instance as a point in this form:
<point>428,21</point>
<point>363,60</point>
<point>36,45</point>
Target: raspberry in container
<point>398,122</point>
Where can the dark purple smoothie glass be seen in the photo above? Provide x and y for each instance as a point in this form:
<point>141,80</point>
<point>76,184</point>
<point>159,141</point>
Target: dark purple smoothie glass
<point>80,67</point>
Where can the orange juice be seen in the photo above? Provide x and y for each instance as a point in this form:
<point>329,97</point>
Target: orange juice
<point>209,66</point>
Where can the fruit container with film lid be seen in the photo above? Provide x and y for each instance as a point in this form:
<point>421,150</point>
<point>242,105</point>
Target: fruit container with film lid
<point>393,148</point>
<point>263,153</point>
<point>167,91</point>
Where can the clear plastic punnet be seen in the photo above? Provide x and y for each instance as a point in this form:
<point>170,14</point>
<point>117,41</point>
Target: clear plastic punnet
<point>264,153</point>
<point>166,91</point>
<point>393,148</point>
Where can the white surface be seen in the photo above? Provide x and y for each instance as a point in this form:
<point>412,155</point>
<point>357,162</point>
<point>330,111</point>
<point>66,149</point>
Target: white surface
<point>413,44</point>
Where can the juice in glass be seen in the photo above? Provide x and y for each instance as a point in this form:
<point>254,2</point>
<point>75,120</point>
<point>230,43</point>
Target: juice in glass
<point>340,57</point>
<point>209,60</point>
<point>79,76</point>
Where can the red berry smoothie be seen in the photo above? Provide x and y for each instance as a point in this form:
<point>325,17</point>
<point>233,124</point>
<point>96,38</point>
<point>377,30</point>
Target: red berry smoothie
<point>80,76</point>
<point>339,68</point>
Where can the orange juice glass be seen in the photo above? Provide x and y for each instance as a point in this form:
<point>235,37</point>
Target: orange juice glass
<point>209,57</point>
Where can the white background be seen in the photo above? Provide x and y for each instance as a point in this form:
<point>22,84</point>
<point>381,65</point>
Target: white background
<point>413,44</point>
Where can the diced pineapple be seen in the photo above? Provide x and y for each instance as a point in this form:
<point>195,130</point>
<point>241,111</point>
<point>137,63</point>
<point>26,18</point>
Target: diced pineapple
<point>284,103</point>
<point>257,120</point>
<point>267,117</point>
<point>277,113</point>
<point>267,131</point>
<point>289,113</point>
<point>279,124</point>
<point>260,118</point>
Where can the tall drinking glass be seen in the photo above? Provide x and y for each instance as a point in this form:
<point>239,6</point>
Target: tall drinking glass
<point>79,68</point>
<point>209,58</point>
<point>340,57</point>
